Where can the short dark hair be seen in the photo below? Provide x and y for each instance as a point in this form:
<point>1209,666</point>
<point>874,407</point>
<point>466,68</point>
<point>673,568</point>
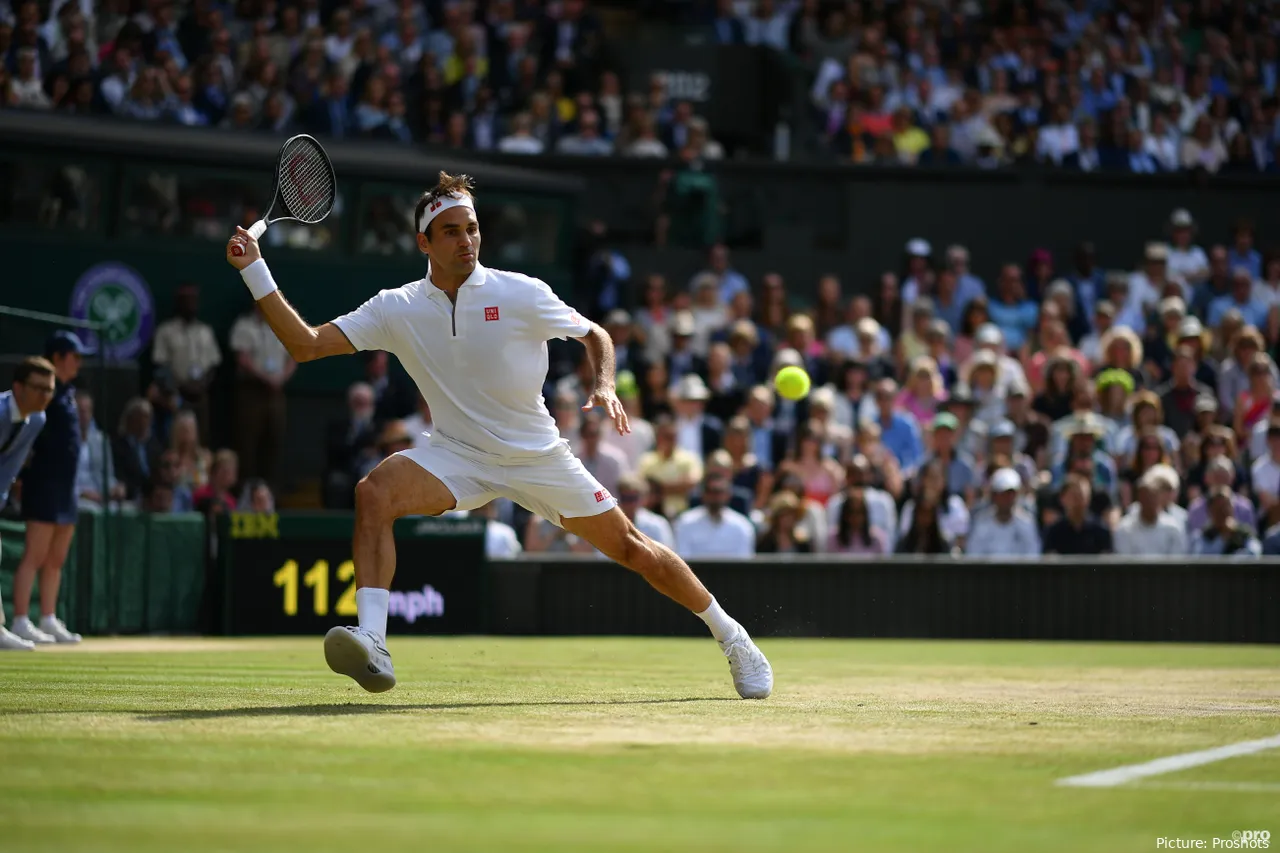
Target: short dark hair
<point>446,185</point>
<point>32,365</point>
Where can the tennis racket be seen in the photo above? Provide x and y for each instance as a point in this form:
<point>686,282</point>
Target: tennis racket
<point>305,185</point>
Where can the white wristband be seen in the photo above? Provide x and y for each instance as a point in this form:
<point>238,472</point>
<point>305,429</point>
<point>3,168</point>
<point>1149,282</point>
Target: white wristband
<point>258,279</point>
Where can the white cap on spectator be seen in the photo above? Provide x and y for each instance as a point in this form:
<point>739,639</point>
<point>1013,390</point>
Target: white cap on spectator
<point>683,324</point>
<point>868,327</point>
<point>787,357</point>
<point>919,248</point>
<point>989,335</point>
<point>1181,218</point>
<point>1059,285</point>
<point>1190,327</point>
<point>1173,305</point>
<point>691,387</point>
<point>1005,480</point>
<point>1157,252</point>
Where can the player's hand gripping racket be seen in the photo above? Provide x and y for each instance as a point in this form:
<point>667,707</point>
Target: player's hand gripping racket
<point>305,186</point>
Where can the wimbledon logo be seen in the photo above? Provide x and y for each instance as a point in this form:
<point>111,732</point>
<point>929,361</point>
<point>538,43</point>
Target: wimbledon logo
<point>116,295</point>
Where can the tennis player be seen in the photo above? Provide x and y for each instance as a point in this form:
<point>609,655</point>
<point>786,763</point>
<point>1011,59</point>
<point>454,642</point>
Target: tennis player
<point>475,341</point>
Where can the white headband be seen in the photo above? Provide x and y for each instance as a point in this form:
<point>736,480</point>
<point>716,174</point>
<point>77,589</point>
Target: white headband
<point>440,205</point>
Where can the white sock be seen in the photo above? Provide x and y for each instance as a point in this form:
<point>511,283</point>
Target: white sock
<point>47,618</point>
<point>722,625</point>
<point>371,605</point>
<point>21,621</point>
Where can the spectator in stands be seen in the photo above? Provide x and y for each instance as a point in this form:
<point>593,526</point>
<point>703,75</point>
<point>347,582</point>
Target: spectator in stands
<point>713,530</point>
<point>1187,261</point>
<point>1077,533</point>
<point>350,446</point>
<point>1234,381</point>
<point>898,430</point>
<point>1224,535</point>
<point>193,460</point>
<point>500,539</point>
<point>1004,529</point>
<point>174,495</point>
<point>1178,396</point>
<point>676,470</point>
<point>96,481</point>
<point>631,494</point>
<point>605,462</point>
<point>821,475</point>
<point>944,516</point>
<point>853,533</point>
<point>587,141</point>
<point>1243,255</point>
<point>257,497</point>
<point>215,497</point>
<point>1149,532</point>
<point>1266,471</point>
<point>188,348</point>
<point>782,533</point>
<point>135,449</point>
<point>263,368</point>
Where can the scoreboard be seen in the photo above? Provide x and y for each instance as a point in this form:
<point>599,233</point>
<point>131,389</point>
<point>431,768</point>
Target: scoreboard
<point>292,573</point>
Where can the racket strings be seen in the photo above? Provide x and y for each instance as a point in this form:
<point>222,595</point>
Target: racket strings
<point>306,181</point>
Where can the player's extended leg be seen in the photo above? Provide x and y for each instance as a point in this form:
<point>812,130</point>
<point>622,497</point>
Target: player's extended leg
<point>51,582</point>
<point>396,488</point>
<point>39,538</point>
<point>618,539</point>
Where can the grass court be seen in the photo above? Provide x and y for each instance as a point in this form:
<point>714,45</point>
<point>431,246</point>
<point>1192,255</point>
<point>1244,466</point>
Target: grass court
<point>615,744</point>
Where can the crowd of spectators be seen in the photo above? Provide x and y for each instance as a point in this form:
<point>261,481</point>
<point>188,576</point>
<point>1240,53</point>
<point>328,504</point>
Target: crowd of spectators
<point>515,76</point>
<point>1086,85</point>
<point>1091,85</point>
<point>1058,408</point>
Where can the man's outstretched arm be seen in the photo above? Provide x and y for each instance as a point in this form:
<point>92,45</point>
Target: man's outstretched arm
<point>303,341</point>
<point>600,350</point>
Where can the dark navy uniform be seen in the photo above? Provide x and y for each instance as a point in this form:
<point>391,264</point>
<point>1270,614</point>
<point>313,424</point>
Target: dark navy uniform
<point>49,482</point>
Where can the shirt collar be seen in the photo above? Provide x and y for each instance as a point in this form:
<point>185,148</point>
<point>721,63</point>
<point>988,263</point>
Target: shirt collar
<point>478,276</point>
<point>15,415</point>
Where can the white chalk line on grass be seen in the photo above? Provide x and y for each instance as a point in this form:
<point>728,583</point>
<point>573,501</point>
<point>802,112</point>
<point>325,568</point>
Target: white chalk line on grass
<point>1170,764</point>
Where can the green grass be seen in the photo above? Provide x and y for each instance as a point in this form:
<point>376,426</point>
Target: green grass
<point>627,745</point>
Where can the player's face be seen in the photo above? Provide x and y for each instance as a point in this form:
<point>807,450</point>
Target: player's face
<point>454,245</point>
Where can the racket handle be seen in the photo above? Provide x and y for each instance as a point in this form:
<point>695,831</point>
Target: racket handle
<point>258,228</point>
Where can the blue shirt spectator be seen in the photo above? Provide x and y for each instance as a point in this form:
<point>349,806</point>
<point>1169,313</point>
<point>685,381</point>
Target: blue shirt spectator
<point>899,431</point>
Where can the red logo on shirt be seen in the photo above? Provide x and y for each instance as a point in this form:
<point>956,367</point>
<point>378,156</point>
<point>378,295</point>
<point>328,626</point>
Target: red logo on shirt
<point>602,496</point>
<point>491,313</point>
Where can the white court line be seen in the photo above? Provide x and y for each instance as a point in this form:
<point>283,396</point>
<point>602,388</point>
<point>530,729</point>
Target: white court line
<point>1171,764</point>
<point>1246,787</point>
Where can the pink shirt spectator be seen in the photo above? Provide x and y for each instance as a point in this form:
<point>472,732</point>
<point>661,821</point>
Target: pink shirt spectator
<point>923,409</point>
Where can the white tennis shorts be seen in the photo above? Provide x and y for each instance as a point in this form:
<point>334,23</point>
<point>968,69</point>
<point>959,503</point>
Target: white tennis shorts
<point>554,486</point>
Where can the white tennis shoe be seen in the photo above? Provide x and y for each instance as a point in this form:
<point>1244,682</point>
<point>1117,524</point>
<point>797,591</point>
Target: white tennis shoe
<point>11,642</point>
<point>53,626</point>
<point>752,675</point>
<point>362,655</point>
<point>25,629</point>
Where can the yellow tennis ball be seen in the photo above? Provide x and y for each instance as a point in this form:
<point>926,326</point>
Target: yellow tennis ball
<point>792,383</point>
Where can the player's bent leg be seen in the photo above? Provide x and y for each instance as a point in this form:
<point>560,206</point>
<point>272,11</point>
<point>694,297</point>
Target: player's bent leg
<point>613,534</point>
<point>396,488</point>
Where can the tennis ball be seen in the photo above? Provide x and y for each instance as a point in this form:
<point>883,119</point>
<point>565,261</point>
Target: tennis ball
<point>792,383</point>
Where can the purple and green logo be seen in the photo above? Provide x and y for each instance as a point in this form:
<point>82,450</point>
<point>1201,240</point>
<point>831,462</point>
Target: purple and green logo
<point>118,297</point>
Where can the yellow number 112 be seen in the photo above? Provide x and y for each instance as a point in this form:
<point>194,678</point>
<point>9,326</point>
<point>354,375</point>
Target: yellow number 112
<point>317,579</point>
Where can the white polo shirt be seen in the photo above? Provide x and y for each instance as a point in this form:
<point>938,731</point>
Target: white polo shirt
<point>481,363</point>
<point>699,535</point>
<point>1266,476</point>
